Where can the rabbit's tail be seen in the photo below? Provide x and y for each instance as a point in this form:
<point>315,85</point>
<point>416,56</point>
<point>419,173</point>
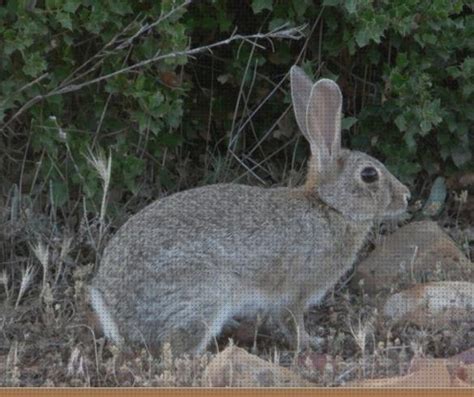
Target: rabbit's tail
<point>107,322</point>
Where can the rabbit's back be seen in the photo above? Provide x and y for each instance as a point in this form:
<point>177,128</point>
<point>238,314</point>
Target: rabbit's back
<point>227,222</point>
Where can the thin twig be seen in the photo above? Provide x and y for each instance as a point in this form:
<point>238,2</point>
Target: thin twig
<point>191,52</point>
<point>277,86</point>
<point>31,83</point>
<point>147,27</point>
<point>293,34</point>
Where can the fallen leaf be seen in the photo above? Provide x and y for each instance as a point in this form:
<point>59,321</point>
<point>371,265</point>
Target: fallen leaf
<point>170,79</point>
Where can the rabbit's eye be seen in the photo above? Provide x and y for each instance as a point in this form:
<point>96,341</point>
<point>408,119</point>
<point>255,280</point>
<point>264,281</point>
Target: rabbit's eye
<point>369,174</point>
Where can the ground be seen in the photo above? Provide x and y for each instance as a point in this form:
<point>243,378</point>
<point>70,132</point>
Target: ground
<point>47,337</point>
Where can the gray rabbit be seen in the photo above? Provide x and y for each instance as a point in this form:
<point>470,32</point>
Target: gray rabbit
<point>181,268</point>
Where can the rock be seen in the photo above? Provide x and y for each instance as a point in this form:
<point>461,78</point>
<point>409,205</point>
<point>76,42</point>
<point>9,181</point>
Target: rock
<point>465,357</point>
<point>423,372</point>
<point>465,361</point>
<point>418,252</point>
<point>234,367</point>
<point>461,181</point>
<point>433,303</point>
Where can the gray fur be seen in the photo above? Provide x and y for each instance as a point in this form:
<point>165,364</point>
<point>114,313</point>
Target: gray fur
<point>185,265</point>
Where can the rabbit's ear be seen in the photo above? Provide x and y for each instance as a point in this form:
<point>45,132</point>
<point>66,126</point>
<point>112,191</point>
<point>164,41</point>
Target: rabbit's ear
<point>301,86</point>
<point>323,120</point>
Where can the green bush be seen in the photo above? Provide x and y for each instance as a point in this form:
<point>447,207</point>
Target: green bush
<point>405,67</point>
<point>59,43</point>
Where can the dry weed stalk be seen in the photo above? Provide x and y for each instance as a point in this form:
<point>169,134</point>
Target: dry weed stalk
<point>27,274</point>
<point>103,167</point>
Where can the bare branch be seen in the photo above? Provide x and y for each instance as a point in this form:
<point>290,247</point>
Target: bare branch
<point>31,83</point>
<point>147,27</point>
<point>291,34</point>
<point>279,33</point>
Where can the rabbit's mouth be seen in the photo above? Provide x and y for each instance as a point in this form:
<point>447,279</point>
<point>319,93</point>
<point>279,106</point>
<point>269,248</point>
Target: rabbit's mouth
<point>397,206</point>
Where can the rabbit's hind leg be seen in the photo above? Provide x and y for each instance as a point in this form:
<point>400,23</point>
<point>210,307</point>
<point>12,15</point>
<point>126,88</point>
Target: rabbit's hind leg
<point>220,317</point>
<point>291,323</point>
<point>106,320</point>
<point>202,326</point>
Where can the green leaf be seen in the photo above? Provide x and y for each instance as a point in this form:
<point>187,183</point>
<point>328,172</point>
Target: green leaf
<point>276,23</point>
<point>132,168</point>
<point>53,4</point>
<point>301,7</point>
<point>461,155</point>
<point>350,6</point>
<point>59,193</point>
<point>71,6</point>
<point>398,80</point>
<point>401,123</point>
<point>331,3</point>
<point>425,127</point>
<point>409,138</point>
<point>362,38</point>
<point>64,20</point>
<point>260,5</point>
<point>402,60</point>
<point>348,122</point>
<point>165,178</point>
<point>35,64</point>
<point>120,7</point>
<point>225,23</point>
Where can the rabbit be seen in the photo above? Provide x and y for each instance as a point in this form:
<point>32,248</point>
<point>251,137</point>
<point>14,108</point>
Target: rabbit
<point>185,265</point>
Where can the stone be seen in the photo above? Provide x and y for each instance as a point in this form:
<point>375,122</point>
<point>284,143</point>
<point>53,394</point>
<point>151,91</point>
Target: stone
<point>433,304</point>
<point>234,367</point>
<point>424,372</point>
<point>416,253</point>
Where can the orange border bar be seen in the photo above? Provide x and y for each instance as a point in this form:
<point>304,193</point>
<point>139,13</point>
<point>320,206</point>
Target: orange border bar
<point>136,392</point>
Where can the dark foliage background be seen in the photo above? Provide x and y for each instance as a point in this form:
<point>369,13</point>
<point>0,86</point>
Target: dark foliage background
<point>405,68</point>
